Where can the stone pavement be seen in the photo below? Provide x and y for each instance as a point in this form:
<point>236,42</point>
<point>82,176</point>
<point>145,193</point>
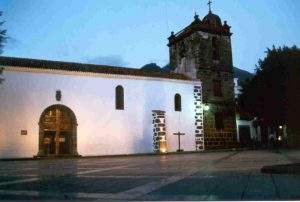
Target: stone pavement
<point>233,175</point>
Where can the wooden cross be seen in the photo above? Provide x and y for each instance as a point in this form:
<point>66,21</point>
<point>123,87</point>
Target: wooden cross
<point>179,134</point>
<point>209,5</point>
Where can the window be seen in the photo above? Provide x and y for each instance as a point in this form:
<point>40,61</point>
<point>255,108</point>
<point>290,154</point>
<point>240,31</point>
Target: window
<point>215,49</point>
<point>58,95</point>
<point>217,88</point>
<point>177,102</point>
<point>219,121</point>
<point>119,98</point>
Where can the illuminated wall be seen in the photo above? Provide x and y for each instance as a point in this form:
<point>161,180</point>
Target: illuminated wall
<point>102,130</point>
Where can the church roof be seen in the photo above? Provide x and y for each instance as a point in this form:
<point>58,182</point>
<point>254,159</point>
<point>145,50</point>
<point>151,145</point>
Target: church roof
<point>211,23</point>
<point>81,67</point>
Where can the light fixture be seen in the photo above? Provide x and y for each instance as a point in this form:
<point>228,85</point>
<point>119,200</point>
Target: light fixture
<point>205,107</point>
<point>280,127</point>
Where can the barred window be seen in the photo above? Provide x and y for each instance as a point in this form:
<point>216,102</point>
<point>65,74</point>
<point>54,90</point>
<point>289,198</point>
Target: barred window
<point>119,98</point>
<point>177,102</point>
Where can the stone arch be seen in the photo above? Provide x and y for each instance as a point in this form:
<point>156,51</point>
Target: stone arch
<point>57,132</point>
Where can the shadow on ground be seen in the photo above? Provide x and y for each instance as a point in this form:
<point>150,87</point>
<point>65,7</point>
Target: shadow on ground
<point>282,169</point>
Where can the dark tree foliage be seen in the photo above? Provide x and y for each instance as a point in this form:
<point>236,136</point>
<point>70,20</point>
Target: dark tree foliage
<point>2,41</point>
<point>266,95</point>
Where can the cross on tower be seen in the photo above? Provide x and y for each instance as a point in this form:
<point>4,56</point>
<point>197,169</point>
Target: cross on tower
<point>209,5</point>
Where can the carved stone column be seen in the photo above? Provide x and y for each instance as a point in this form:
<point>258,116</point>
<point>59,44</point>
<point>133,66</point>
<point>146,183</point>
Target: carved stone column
<point>74,140</point>
<point>41,151</point>
<point>57,132</point>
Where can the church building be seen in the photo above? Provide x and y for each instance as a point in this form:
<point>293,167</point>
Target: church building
<point>53,108</point>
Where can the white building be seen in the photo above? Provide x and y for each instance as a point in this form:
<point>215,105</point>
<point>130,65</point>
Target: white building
<point>52,108</point>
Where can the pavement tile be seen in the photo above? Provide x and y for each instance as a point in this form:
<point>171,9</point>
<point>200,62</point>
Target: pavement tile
<point>215,187</point>
<point>11,178</point>
<point>260,187</point>
<point>70,184</point>
<point>288,186</point>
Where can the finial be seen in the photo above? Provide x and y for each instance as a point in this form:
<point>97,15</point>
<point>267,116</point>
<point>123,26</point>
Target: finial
<point>209,5</point>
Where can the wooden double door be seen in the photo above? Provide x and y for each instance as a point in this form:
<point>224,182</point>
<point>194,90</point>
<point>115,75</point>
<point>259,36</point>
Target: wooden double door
<point>58,135</point>
<point>64,142</point>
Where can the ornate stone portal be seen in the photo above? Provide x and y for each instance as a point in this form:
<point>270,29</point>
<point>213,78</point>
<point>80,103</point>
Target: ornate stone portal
<point>57,132</point>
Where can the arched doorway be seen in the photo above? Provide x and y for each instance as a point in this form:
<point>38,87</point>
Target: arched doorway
<point>57,132</point>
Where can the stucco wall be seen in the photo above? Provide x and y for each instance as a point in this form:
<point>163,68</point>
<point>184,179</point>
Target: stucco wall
<point>102,130</point>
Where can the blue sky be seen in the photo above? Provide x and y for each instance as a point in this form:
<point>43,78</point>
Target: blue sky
<point>134,32</point>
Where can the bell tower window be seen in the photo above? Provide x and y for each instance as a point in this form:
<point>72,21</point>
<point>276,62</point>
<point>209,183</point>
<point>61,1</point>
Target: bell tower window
<point>217,88</point>
<point>215,49</point>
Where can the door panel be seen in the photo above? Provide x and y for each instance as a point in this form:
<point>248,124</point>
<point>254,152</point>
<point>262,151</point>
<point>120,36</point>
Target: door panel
<point>64,143</point>
<point>49,142</point>
<point>245,137</point>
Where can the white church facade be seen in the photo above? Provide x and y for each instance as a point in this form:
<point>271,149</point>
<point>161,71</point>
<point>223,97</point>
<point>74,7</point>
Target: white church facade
<point>57,108</point>
<point>52,108</point>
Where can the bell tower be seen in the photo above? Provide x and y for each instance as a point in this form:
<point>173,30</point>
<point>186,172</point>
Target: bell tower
<point>202,51</point>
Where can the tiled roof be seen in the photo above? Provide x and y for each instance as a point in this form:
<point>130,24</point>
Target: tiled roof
<point>80,67</point>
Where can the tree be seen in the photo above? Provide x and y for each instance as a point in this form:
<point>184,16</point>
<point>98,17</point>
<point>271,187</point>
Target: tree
<point>266,95</point>
<point>2,41</point>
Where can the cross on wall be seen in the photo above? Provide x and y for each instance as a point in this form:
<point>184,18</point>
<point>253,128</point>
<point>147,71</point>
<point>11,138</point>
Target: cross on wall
<point>179,134</point>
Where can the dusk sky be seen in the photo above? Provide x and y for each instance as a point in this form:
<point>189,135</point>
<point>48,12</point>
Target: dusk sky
<point>134,32</point>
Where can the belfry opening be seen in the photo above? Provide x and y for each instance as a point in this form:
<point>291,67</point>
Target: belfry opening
<point>57,132</point>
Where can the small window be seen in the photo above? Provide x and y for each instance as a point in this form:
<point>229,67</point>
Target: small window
<point>217,88</point>
<point>177,102</point>
<point>215,49</point>
<point>58,95</point>
<point>119,98</point>
<point>219,121</point>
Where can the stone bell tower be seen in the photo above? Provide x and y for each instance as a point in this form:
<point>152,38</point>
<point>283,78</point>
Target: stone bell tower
<point>202,51</point>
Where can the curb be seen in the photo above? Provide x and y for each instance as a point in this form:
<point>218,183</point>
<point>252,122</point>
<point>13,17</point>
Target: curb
<point>35,158</point>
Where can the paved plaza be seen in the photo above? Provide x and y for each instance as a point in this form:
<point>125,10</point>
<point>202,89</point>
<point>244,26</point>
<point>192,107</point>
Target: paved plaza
<point>231,175</point>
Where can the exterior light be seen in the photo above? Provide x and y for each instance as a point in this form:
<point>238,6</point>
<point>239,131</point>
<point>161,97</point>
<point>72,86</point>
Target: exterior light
<point>279,138</point>
<point>205,107</point>
<point>280,127</point>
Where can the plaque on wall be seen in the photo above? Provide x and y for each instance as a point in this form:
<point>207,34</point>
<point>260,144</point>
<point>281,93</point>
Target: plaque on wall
<point>23,132</point>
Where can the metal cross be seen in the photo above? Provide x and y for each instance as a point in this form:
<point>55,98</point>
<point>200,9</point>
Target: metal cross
<point>209,5</point>
<point>179,134</point>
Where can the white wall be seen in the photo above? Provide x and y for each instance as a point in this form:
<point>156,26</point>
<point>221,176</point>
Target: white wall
<point>102,130</point>
<point>253,133</point>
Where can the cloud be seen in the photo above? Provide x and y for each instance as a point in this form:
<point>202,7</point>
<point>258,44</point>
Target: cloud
<point>113,60</point>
